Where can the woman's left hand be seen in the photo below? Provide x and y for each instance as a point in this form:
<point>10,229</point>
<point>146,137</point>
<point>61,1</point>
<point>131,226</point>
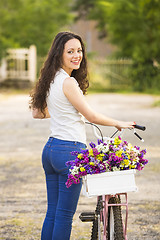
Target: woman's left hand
<point>36,113</point>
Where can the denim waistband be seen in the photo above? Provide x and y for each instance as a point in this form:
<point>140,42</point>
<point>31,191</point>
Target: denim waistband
<point>66,142</point>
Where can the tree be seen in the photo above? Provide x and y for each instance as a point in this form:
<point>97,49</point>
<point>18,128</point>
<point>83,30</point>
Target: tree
<point>26,22</point>
<point>134,26</point>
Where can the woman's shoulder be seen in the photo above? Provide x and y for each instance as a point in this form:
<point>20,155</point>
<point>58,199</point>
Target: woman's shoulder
<point>70,85</point>
<point>70,82</point>
<point>65,81</point>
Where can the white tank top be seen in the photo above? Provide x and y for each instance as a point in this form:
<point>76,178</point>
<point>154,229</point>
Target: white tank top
<point>66,122</point>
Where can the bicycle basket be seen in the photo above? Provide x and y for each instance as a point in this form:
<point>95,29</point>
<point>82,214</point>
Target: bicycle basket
<point>109,183</point>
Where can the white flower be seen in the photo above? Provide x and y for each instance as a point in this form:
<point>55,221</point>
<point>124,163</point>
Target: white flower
<point>129,147</point>
<point>102,147</point>
<point>135,150</point>
<point>115,169</point>
<point>106,164</point>
<point>74,170</point>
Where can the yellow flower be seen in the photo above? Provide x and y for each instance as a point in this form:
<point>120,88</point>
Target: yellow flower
<point>80,156</point>
<point>91,163</point>
<point>117,141</point>
<point>82,169</point>
<point>126,162</point>
<point>134,160</point>
<point>119,153</point>
<point>100,156</point>
<point>91,153</point>
<point>132,167</point>
<point>128,156</point>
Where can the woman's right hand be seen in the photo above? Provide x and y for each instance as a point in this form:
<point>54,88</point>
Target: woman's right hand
<point>121,124</point>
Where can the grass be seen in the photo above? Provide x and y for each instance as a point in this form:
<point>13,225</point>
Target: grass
<point>156,103</point>
<point>21,227</point>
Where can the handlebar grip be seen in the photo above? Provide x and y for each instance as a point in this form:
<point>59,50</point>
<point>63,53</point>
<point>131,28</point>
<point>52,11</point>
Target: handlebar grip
<point>143,128</point>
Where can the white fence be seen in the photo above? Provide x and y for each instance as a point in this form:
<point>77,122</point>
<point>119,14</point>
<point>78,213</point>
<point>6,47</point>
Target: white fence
<point>110,74</point>
<point>19,64</point>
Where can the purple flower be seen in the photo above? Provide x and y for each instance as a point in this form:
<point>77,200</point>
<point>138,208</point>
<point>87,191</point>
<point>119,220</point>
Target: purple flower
<point>111,148</point>
<point>99,141</point>
<point>95,151</point>
<point>125,143</point>
<point>137,147</point>
<point>92,145</point>
<point>74,153</point>
<point>105,157</point>
<point>85,151</point>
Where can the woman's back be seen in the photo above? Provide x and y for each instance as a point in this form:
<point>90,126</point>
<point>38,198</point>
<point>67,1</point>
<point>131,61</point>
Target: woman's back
<point>66,122</point>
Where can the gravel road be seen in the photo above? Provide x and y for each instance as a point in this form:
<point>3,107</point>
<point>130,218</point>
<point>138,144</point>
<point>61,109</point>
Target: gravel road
<point>22,185</point>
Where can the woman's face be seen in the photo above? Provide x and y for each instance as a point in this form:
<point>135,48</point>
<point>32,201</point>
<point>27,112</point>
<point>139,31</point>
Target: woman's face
<point>72,55</point>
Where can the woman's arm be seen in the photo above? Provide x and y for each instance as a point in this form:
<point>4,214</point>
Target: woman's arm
<point>75,97</point>
<point>36,113</point>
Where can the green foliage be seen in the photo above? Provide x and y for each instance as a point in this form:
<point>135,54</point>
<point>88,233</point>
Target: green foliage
<point>156,103</point>
<point>27,22</point>
<point>145,76</point>
<point>133,26</point>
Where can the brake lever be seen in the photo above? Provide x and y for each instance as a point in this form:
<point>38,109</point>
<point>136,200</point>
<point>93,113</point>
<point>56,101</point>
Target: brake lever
<point>137,135</point>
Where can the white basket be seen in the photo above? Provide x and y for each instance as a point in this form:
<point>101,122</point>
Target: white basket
<point>109,183</point>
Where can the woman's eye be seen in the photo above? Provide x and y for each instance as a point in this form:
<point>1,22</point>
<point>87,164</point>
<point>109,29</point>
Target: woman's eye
<point>79,51</point>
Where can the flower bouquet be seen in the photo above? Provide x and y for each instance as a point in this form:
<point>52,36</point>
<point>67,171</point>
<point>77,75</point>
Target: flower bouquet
<point>107,156</point>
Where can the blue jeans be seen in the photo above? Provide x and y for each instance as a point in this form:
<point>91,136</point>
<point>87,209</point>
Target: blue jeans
<point>62,201</point>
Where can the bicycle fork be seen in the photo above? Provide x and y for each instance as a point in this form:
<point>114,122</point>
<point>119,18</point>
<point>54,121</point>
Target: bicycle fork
<point>104,215</point>
<point>101,214</point>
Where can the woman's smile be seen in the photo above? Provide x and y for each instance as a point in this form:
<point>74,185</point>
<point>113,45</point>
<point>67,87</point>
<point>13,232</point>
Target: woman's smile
<point>76,62</point>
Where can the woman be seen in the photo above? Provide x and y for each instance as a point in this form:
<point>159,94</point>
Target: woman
<point>59,95</point>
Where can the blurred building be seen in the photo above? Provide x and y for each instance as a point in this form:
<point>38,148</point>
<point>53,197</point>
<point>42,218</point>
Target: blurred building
<point>19,65</point>
<point>87,30</point>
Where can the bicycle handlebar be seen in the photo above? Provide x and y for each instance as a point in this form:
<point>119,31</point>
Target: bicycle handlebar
<point>143,128</point>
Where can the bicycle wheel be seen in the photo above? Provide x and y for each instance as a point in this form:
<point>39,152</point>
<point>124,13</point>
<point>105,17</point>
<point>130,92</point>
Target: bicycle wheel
<point>96,223</point>
<point>94,233</point>
<point>115,225</point>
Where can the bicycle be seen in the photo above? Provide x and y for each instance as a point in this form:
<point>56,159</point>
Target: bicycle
<point>107,218</point>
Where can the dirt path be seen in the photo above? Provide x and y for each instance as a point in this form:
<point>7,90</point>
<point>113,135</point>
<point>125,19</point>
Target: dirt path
<point>22,185</point>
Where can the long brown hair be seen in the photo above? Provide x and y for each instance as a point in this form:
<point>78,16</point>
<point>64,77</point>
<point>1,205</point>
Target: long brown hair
<point>52,64</point>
